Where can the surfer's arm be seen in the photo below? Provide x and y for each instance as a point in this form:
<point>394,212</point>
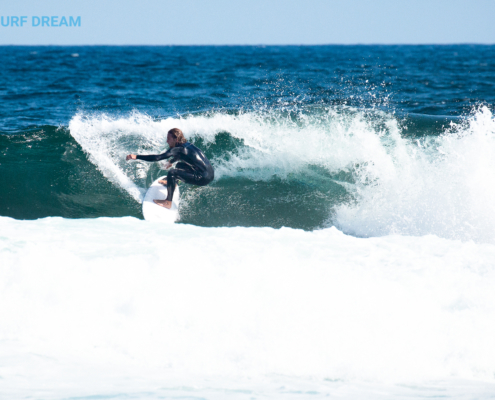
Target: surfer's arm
<point>173,152</point>
<point>153,157</point>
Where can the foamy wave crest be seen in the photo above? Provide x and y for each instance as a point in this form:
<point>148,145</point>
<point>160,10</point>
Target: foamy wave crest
<point>437,185</point>
<point>442,185</point>
<point>273,143</point>
<point>278,143</point>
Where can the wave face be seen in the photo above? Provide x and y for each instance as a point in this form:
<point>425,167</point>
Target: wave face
<point>46,173</point>
<point>369,173</point>
<point>360,171</point>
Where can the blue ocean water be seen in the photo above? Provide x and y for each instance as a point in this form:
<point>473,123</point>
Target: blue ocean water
<point>345,248</point>
<point>215,93</point>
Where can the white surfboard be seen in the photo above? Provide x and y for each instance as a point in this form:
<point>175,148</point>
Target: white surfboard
<point>154,212</point>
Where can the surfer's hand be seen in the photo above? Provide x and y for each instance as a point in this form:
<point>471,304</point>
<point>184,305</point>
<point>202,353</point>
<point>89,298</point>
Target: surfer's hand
<point>168,165</point>
<point>130,157</point>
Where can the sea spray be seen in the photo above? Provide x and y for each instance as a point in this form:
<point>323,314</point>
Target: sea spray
<point>358,169</point>
<point>436,185</point>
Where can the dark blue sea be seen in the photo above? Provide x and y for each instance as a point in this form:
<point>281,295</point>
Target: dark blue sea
<point>271,119</point>
<point>345,249</point>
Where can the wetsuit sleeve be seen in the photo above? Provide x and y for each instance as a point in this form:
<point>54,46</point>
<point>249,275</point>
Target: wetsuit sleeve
<point>157,157</point>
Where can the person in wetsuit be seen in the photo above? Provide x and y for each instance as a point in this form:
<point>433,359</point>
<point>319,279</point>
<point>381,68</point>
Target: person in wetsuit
<point>193,166</point>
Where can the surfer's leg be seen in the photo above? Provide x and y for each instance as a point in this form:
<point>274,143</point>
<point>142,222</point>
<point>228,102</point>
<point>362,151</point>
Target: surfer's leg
<point>171,182</point>
<point>182,173</point>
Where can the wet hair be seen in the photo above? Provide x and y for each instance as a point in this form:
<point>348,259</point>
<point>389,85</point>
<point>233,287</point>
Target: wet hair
<point>177,133</point>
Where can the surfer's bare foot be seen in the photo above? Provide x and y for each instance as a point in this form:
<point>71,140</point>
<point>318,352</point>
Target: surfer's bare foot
<point>163,182</point>
<point>163,203</point>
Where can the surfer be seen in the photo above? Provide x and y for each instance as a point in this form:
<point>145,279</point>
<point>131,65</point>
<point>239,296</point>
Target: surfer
<point>193,166</point>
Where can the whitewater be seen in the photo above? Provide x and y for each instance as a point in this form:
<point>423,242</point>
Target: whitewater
<point>393,183</point>
<point>113,311</point>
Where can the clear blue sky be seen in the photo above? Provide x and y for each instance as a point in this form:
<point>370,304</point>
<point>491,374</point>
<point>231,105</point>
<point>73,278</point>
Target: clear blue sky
<point>187,22</point>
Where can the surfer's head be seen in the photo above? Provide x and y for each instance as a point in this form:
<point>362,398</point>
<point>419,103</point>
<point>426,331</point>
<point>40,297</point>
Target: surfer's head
<point>175,137</point>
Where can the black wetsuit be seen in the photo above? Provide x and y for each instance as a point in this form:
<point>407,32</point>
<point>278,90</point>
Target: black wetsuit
<point>193,167</point>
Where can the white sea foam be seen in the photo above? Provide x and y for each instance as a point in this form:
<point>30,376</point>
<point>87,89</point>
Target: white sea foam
<point>119,306</point>
<point>441,185</point>
<point>106,141</point>
<point>274,144</point>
